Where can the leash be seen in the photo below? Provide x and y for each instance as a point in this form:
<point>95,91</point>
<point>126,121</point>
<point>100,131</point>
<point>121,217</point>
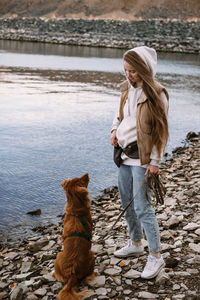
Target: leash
<point>123,211</point>
<point>153,181</point>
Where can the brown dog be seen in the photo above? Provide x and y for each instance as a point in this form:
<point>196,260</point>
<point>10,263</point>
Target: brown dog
<point>76,262</point>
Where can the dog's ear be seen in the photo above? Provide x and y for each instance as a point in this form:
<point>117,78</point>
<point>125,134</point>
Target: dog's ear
<point>85,179</point>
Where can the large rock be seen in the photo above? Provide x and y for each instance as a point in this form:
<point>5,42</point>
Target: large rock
<point>37,246</point>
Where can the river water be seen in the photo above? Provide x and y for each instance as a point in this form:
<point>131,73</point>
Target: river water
<point>57,104</point>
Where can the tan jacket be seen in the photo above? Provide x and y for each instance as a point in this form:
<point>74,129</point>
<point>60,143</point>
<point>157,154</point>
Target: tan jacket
<point>143,123</point>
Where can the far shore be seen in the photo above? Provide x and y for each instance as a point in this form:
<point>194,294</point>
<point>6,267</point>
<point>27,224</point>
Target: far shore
<point>164,35</point>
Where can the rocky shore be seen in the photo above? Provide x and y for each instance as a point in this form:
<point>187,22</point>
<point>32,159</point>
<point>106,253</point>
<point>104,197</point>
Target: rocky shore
<point>25,269</point>
<point>163,35</point>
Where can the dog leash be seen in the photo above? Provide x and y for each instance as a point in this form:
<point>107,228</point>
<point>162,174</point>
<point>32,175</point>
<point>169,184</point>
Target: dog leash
<point>123,211</point>
<point>153,181</point>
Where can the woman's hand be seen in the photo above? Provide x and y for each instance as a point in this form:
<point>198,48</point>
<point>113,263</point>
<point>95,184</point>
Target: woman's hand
<point>152,169</point>
<point>113,138</point>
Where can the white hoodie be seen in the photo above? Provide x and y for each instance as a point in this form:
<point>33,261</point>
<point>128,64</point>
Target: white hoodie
<point>126,129</point>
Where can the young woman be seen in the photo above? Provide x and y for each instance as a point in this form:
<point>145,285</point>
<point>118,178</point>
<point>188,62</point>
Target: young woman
<point>141,121</point>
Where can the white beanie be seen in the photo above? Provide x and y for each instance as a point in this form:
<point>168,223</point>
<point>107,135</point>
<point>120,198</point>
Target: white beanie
<point>148,55</point>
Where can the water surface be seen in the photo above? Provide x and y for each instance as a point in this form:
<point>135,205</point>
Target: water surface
<point>57,105</point>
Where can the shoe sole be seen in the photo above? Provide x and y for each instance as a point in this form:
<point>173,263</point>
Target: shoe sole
<point>155,274</point>
<point>129,255</point>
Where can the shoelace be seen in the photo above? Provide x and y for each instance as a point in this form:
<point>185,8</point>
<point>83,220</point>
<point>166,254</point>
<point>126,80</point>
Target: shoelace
<point>150,260</point>
<point>129,244</point>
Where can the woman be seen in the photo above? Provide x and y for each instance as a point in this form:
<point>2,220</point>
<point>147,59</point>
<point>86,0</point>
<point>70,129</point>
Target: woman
<point>141,120</point>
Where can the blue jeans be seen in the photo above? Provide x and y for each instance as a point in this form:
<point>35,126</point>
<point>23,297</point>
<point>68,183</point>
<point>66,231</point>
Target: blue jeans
<point>141,212</point>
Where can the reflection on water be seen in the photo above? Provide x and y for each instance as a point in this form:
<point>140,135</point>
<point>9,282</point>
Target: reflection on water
<point>189,81</point>
<point>59,50</point>
<point>55,124</point>
<point>80,51</point>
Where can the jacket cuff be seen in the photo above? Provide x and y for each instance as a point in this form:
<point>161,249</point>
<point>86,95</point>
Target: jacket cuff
<point>113,128</point>
<point>155,162</point>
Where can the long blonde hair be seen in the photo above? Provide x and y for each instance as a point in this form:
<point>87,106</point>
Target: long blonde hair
<point>152,90</point>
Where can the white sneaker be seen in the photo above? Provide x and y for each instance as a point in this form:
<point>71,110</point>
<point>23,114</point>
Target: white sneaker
<point>153,267</point>
<point>129,250</point>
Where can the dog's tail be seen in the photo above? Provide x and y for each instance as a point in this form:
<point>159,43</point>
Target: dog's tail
<point>68,292</point>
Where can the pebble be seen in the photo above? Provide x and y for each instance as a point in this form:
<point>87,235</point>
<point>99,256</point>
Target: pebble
<point>97,281</point>
<point>101,291</point>
<point>26,269</point>
<point>197,231</point>
<point>113,271</point>
<point>40,292</point>
<point>132,274</point>
<point>178,297</point>
<point>195,247</point>
<point>32,297</point>
<point>162,278</point>
<point>191,226</point>
<point>146,295</point>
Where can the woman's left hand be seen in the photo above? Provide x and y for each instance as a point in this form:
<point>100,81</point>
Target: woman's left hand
<point>152,169</point>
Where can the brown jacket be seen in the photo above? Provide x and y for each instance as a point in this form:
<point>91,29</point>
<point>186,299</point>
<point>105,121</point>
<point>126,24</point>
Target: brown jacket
<point>143,123</point>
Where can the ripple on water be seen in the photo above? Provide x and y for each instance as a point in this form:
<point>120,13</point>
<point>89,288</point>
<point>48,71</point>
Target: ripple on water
<point>56,124</point>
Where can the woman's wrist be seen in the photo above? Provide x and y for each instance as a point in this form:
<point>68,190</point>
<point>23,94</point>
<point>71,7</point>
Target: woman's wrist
<point>155,162</point>
<point>113,131</point>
